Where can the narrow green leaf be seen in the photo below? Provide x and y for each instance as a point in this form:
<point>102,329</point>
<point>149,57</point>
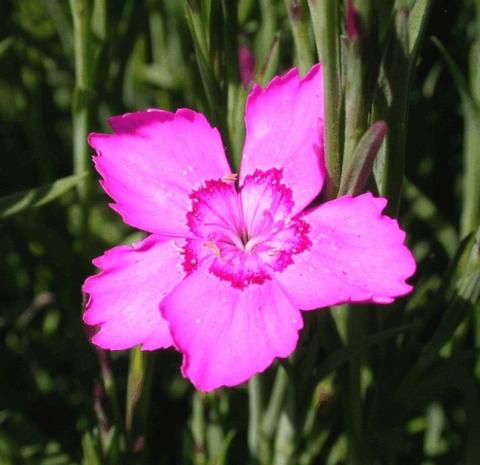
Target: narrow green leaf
<point>428,212</point>
<point>100,19</point>
<point>341,356</point>
<point>458,306</point>
<point>244,7</point>
<point>417,21</point>
<point>298,17</point>
<point>458,77</point>
<point>355,96</point>
<point>474,71</point>
<point>215,434</point>
<point>284,447</point>
<point>468,286</point>
<point>439,379</point>
<point>356,174</point>
<point>255,414</point>
<point>270,65</point>
<point>454,315</point>
<point>196,24</point>
<point>91,455</point>
<point>435,418</point>
<point>221,457</point>
<point>391,105</point>
<point>234,93</point>
<point>5,45</point>
<point>82,105</point>
<point>138,386</point>
<point>135,384</point>
<point>471,152</point>
<point>266,33</point>
<point>202,53</point>
<point>277,398</point>
<point>325,27</point>
<point>470,218</point>
<point>33,198</point>
<point>206,12</point>
<point>236,108</point>
<point>198,427</point>
<point>471,188</point>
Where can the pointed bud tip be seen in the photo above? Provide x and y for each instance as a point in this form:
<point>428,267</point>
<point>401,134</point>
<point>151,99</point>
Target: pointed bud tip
<point>246,61</point>
<point>353,21</point>
<point>295,10</point>
<point>381,127</point>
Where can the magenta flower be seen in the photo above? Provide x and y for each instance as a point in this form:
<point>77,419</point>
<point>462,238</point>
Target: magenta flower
<point>226,270</point>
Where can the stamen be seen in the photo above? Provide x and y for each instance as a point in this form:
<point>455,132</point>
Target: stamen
<point>230,178</point>
<point>274,252</point>
<point>214,248</point>
<point>177,247</point>
<point>253,242</point>
<point>249,232</point>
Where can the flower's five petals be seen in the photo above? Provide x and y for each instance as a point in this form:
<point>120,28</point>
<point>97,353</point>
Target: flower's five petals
<point>228,267</point>
<point>226,335</point>
<point>284,130</point>
<point>125,296</point>
<point>357,255</point>
<point>153,161</point>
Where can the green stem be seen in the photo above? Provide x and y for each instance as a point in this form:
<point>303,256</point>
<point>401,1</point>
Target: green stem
<point>230,52</point>
<point>138,397</point>
<point>355,333</point>
<point>215,434</point>
<point>233,91</point>
<point>365,9</point>
<point>325,26</point>
<point>109,383</point>
<point>356,113</point>
<point>100,19</point>
<point>391,102</point>
<point>202,52</point>
<point>470,219</point>
<point>266,34</point>
<point>277,399</point>
<point>216,97</point>
<point>255,414</point>
<point>199,429</point>
<point>298,21</point>
<point>284,450</point>
<point>396,137</point>
<point>81,107</point>
<point>391,105</point>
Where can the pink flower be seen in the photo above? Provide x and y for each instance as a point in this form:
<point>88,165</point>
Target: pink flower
<point>226,270</point>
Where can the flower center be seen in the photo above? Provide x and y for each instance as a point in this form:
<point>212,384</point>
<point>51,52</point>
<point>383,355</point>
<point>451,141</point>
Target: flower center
<point>244,236</point>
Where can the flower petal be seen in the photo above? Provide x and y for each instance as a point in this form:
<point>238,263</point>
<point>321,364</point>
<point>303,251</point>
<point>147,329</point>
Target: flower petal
<point>357,255</point>
<point>152,163</point>
<point>125,295</point>
<point>284,130</point>
<point>265,200</point>
<point>227,335</point>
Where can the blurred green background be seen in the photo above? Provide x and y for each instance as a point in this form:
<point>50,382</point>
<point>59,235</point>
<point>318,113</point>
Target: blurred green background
<point>62,402</point>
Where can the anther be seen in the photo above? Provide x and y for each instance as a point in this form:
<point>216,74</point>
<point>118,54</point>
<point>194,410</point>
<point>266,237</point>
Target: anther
<point>230,178</point>
<point>214,248</point>
<point>273,252</point>
<point>177,247</point>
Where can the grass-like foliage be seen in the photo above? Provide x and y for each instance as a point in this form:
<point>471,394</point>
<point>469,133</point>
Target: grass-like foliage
<point>368,384</point>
